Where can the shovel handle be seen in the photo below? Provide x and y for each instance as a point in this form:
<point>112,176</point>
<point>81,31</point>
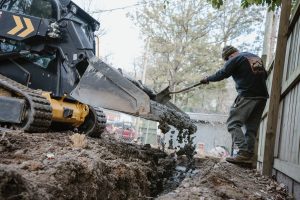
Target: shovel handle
<point>185,89</point>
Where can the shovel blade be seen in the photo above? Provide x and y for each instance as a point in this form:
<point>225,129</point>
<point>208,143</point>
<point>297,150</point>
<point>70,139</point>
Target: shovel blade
<point>164,96</point>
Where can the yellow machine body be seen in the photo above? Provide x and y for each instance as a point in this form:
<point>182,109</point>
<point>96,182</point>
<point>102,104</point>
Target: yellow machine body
<point>67,112</point>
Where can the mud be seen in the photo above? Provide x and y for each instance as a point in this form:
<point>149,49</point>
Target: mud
<point>167,116</point>
<point>48,166</point>
<point>170,116</point>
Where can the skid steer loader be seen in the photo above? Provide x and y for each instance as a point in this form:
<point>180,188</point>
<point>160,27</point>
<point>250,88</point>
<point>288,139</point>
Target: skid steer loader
<point>49,75</point>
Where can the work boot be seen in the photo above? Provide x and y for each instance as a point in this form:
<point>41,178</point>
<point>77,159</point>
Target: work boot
<point>242,157</point>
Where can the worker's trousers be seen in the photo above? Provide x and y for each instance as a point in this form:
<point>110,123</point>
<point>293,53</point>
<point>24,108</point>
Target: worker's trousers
<point>245,112</point>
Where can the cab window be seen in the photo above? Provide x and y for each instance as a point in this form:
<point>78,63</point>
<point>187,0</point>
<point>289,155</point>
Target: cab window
<point>37,8</point>
<point>42,61</point>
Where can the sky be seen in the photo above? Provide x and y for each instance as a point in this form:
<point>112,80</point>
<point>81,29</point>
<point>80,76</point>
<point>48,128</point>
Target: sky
<point>121,41</point>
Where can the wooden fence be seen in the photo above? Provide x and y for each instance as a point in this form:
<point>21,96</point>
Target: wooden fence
<point>287,143</point>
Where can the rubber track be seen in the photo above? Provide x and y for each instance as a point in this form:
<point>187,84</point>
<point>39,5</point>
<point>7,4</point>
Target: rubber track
<point>100,123</point>
<point>40,113</point>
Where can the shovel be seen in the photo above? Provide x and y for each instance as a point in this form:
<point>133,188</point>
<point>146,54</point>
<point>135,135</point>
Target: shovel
<point>165,95</point>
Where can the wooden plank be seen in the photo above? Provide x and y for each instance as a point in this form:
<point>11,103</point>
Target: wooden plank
<point>287,61</point>
<point>294,51</point>
<point>289,128</point>
<point>291,82</point>
<point>295,146</point>
<point>297,140</point>
<point>295,17</point>
<point>279,128</point>
<point>291,132</point>
<point>262,140</point>
<point>276,88</point>
<point>284,139</point>
<point>291,58</point>
<point>290,169</point>
<point>287,131</point>
<point>297,130</point>
<point>259,140</point>
<point>297,45</point>
<point>284,127</point>
<point>269,81</point>
<point>265,112</point>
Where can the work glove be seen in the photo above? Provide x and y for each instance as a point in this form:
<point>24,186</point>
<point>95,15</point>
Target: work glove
<point>204,81</point>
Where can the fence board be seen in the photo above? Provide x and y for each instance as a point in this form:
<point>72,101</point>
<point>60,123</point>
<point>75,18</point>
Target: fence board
<point>295,146</point>
<point>297,46</point>
<point>279,128</point>
<point>292,57</point>
<point>289,84</point>
<point>286,131</point>
<point>291,132</point>
<point>262,137</point>
<point>287,168</point>
<point>283,139</point>
<point>286,62</point>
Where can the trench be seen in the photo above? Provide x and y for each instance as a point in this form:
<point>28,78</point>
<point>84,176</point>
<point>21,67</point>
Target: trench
<point>105,169</point>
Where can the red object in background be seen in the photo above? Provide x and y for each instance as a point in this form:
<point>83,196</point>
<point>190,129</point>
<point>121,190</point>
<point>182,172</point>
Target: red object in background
<point>128,133</point>
<point>124,130</point>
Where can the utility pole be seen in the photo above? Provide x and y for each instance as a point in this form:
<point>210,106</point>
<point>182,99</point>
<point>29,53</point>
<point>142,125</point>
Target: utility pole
<point>145,64</point>
<point>145,61</point>
<point>270,36</point>
<point>97,46</point>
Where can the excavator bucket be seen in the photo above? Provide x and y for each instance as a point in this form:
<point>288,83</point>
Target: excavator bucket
<point>104,86</point>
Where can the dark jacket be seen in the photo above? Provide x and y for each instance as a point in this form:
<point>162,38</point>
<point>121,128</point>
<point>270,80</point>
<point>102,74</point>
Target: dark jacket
<point>248,74</point>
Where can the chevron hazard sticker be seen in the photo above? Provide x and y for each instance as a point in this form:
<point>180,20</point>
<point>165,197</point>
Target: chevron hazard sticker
<point>27,24</point>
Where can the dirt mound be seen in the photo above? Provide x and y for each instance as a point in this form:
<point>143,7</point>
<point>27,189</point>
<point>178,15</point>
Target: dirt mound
<point>216,179</point>
<point>68,166</point>
<point>48,166</point>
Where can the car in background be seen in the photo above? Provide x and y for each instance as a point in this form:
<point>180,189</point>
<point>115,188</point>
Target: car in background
<point>123,131</point>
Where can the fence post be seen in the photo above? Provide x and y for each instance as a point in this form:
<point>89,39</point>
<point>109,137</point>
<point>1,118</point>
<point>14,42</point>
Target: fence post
<point>275,94</point>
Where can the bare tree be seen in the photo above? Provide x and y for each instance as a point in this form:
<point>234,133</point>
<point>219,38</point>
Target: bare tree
<point>186,37</point>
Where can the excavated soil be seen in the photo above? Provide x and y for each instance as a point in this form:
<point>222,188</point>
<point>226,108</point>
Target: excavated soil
<point>49,166</point>
<point>217,179</point>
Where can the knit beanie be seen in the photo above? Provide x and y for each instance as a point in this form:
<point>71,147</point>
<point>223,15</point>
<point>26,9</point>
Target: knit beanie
<point>227,51</point>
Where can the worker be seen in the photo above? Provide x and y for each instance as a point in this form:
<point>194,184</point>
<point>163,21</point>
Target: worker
<point>249,75</point>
